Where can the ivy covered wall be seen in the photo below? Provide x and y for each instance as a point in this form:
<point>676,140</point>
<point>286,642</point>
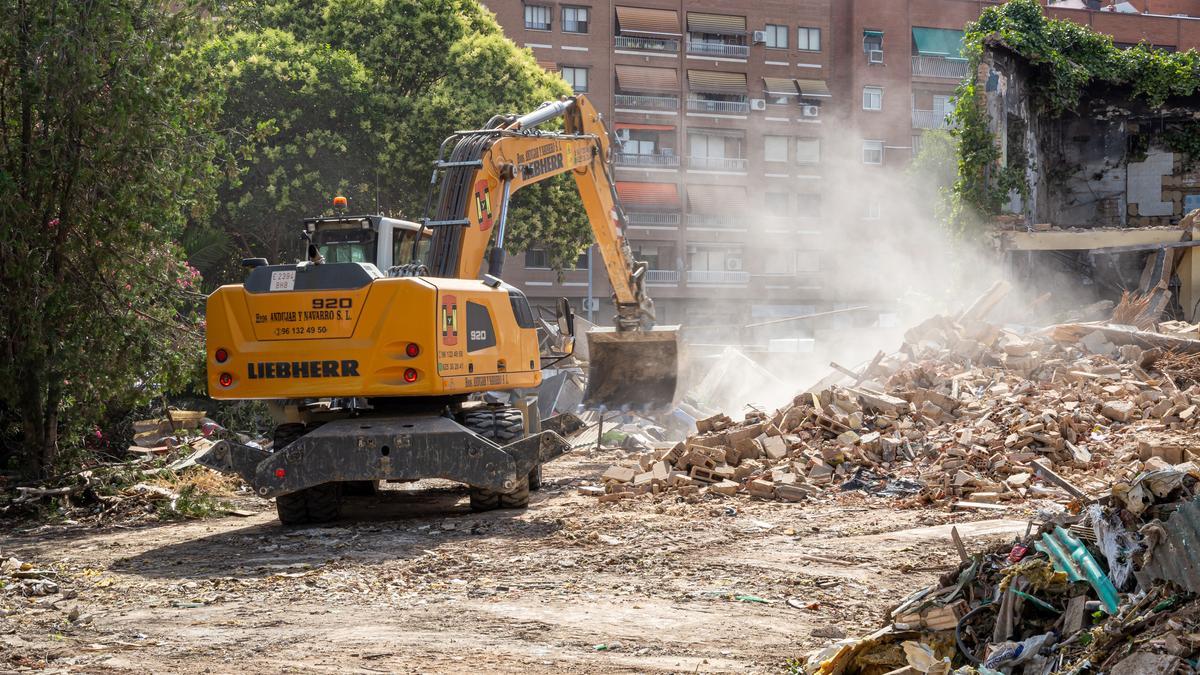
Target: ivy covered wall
<point>1060,126</point>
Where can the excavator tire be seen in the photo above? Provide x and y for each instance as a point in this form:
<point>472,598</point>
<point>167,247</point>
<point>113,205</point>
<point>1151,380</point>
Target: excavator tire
<point>503,425</point>
<point>317,504</point>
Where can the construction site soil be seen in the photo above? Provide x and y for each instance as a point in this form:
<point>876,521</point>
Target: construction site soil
<point>412,581</point>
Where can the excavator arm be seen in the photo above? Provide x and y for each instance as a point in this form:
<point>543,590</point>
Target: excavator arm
<point>634,364</point>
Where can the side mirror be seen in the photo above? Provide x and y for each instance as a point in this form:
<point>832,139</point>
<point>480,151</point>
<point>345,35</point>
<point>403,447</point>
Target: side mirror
<point>251,263</point>
<point>566,317</point>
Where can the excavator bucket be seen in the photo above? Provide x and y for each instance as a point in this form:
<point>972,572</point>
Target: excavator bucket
<point>632,370</point>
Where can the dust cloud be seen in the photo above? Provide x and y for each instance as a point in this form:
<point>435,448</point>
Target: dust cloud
<point>885,260</point>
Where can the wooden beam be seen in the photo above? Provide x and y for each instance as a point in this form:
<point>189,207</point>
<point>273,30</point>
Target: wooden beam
<point>1084,240</point>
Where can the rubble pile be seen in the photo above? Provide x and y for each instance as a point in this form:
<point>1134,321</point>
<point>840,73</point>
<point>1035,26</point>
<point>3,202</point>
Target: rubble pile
<point>1106,586</point>
<point>966,413</point>
<point>161,479</point>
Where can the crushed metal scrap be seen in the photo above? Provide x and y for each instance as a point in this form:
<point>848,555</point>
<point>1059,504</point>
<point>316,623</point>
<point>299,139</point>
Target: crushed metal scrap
<point>1057,600</point>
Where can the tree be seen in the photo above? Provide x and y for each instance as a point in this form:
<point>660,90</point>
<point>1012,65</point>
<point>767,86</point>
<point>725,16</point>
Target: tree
<point>295,121</point>
<point>432,67</point>
<point>104,153</point>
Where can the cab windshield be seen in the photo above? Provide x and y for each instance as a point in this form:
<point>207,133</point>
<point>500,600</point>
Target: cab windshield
<point>346,245</point>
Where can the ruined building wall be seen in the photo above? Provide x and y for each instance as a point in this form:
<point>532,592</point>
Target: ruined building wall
<point>1107,166</point>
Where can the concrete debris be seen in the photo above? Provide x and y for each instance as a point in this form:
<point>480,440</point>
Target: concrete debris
<point>967,414</point>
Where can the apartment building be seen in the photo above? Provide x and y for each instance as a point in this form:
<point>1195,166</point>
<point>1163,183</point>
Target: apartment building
<point>758,140</point>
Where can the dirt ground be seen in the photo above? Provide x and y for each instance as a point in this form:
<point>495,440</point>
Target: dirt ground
<point>412,581</point>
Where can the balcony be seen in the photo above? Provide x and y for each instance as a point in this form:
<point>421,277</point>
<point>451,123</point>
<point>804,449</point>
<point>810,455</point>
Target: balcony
<point>936,66</point>
<point>662,276</point>
<point>639,102</point>
<point>646,161</point>
<point>734,164</point>
<point>646,44</point>
<point>931,119</point>
<point>714,220</point>
<point>713,106</point>
<point>717,277</point>
<point>652,218</point>
<point>722,49</point>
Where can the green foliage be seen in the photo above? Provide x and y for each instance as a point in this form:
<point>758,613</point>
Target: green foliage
<point>1185,140</point>
<point>296,128</point>
<point>1066,59</point>
<point>934,170</point>
<point>104,155</point>
<point>355,96</point>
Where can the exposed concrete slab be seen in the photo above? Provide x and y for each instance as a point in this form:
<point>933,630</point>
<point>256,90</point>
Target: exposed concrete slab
<point>1145,183</point>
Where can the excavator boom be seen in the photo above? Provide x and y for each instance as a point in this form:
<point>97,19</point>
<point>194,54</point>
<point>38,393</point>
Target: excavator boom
<point>633,365</point>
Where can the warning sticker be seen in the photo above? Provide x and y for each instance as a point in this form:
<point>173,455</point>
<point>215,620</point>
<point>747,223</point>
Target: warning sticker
<point>283,280</point>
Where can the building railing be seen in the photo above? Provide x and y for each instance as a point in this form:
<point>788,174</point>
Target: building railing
<point>713,220</point>
<point>646,44</point>
<point>634,159</point>
<point>717,277</point>
<point>714,106</point>
<point>717,163</point>
<point>710,48</point>
<point>639,102</point>
<point>936,66</point>
<point>662,276</point>
<point>930,119</point>
<point>652,218</point>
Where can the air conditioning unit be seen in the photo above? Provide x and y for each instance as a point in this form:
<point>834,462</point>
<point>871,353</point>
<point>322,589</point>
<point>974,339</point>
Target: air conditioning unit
<point>623,135</point>
<point>875,56</point>
<point>758,104</point>
<point>760,37</point>
<point>810,110</point>
<point>590,304</point>
<point>733,264</point>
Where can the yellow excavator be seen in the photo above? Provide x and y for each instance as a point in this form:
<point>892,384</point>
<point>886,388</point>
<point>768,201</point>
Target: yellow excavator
<point>384,355</point>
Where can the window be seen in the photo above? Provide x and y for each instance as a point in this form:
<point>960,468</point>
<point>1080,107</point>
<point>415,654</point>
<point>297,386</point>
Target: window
<point>576,77</point>
<point>808,205</point>
<point>808,39</point>
<point>775,148</point>
<point>656,256</point>
<point>873,45</point>
<point>872,98</point>
<point>775,261</point>
<point>808,150</point>
<point>536,258</point>
<point>942,105</point>
<point>714,146</point>
<point>808,261</point>
<point>777,98</point>
<point>640,142</point>
<point>574,19</point>
<point>537,17</point>
<point>777,203</point>
<point>872,152</point>
<point>777,36</point>
<point>871,209</point>
<point>714,259</point>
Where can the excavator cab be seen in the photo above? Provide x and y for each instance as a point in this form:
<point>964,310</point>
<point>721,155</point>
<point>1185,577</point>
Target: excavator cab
<point>383,242</point>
